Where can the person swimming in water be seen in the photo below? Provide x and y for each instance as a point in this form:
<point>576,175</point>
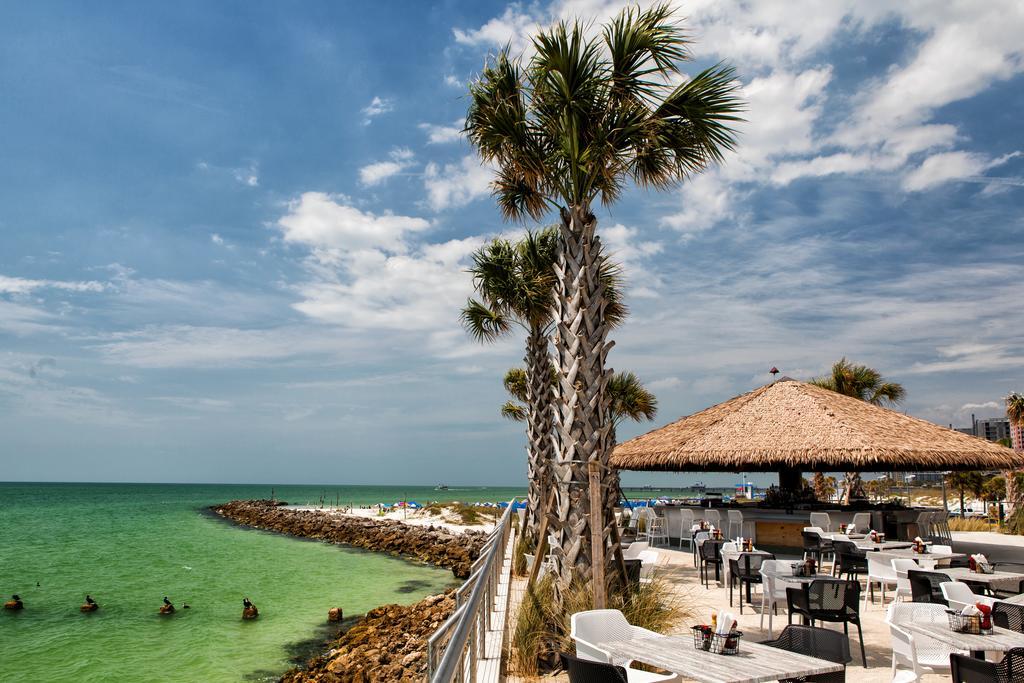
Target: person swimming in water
<point>167,607</point>
<point>14,603</point>
<point>90,605</point>
<point>89,600</point>
<point>249,610</point>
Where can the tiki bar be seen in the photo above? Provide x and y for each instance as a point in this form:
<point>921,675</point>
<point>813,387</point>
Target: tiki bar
<point>790,428</point>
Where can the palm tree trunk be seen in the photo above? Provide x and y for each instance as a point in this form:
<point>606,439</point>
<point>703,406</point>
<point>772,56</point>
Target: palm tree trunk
<point>853,487</point>
<point>582,421</point>
<point>538,428</point>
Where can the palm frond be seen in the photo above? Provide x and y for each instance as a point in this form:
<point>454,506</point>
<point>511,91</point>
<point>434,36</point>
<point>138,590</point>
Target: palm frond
<point>483,323</point>
<point>630,398</point>
<point>514,411</point>
<point>517,383</point>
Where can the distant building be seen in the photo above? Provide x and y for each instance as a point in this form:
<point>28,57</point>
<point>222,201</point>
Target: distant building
<point>990,428</point>
<point>924,478</point>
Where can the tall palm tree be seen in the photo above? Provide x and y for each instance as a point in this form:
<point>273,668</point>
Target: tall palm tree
<point>867,384</point>
<point>515,283</point>
<point>1015,413</point>
<point>584,117</point>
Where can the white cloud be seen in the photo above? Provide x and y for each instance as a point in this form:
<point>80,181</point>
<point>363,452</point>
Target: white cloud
<point>513,27</point>
<point>455,185</point>
<point>453,81</point>
<point>664,383</point>
<point>439,135</point>
<point>324,221</point>
<point>19,285</point>
<point>941,168</point>
<point>376,107</point>
<point>706,201</point>
<point>376,173</point>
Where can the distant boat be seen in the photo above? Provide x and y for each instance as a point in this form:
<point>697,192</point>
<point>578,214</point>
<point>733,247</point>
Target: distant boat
<point>441,487</point>
<point>699,487</point>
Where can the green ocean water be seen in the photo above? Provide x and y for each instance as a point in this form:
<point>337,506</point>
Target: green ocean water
<point>128,545</point>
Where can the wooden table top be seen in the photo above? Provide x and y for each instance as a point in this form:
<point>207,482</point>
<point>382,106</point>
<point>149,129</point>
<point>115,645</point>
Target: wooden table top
<point>755,663</point>
<point>1000,640</point>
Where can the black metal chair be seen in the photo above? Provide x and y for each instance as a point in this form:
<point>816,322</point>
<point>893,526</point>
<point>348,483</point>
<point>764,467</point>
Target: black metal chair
<point>746,569</point>
<point>584,671</point>
<point>967,669</point>
<point>816,642</point>
<point>830,600</point>
<point>812,545</point>
<point>1008,615</point>
<point>851,562</point>
<point>926,586</point>
<point>1018,589</point>
<point>710,553</point>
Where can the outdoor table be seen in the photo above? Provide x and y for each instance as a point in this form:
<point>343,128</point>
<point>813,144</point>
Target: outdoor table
<point>1016,599</point>
<point>887,545</point>
<point>755,663</point>
<point>926,560</point>
<point>1008,581</point>
<point>853,537</point>
<point>792,578</point>
<point>1000,640</point>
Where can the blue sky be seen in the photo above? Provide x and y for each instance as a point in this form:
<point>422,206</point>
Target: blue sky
<point>233,236</point>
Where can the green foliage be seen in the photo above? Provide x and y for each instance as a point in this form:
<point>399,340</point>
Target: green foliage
<point>862,382</point>
<point>994,489</point>
<point>523,546</point>
<point>586,114</point>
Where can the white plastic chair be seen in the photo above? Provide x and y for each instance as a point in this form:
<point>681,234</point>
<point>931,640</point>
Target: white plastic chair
<point>921,653</point>
<point>735,518</point>
<point>773,592</point>
<point>633,551</point>
<point>600,625</point>
<point>698,541</point>
<point>686,528</point>
<point>862,520</point>
<point>958,594</point>
<point>880,571</point>
<point>901,566</point>
<point>648,562</point>
<point>821,520</point>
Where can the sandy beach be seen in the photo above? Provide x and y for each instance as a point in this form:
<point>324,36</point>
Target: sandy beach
<point>446,518</point>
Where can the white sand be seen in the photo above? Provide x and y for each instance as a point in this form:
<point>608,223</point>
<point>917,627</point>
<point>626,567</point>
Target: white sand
<point>447,519</point>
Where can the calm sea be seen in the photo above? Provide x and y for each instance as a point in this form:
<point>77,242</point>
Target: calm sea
<point>129,545</point>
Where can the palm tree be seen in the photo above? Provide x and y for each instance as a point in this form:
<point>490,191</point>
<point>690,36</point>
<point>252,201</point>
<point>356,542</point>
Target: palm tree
<point>585,116</point>
<point>1015,413</point>
<point>964,483</point>
<point>867,384</point>
<point>515,282</point>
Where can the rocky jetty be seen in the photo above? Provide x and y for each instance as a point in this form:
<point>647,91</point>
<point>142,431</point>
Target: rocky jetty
<point>439,547</point>
<point>388,644</point>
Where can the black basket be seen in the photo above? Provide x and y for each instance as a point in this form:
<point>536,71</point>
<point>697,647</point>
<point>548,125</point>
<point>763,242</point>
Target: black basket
<point>969,624</point>
<point>718,643</point>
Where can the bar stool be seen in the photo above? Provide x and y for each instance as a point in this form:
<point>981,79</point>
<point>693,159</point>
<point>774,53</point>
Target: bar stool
<point>686,527</point>
<point>862,520</point>
<point>821,520</point>
<point>735,518</point>
<point>656,529</point>
<point>714,518</point>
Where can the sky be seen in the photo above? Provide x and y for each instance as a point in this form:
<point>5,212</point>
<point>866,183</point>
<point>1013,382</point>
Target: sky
<point>234,236</point>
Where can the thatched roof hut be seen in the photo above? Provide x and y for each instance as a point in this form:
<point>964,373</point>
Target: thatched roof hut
<point>791,425</point>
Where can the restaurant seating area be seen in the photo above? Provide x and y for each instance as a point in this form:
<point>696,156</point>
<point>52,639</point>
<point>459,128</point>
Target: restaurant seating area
<point>895,600</point>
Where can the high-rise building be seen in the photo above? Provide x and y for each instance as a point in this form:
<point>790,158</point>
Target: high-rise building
<point>990,428</point>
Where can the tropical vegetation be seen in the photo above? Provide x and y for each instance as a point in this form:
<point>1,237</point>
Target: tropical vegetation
<point>866,384</point>
<point>572,125</point>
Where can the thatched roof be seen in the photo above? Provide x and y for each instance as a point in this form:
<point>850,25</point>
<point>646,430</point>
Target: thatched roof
<point>791,424</point>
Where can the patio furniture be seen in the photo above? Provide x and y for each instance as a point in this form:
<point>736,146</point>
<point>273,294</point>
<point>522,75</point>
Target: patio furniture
<point>927,586</point>
<point>648,563</point>
<point>822,520</point>
<point>698,540</point>
<point>970,670</point>
<point>901,567</point>
<point>829,600</point>
<point>686,522</point>
<point>710,553</point>
<point>594,626</point>
<point>921,652</point>
<point>1001,582</point>
<point>656,529</point>
<point>958,595</point>
<point>756,663</point>
<point>822,545</point>
<point>773,587</point>
<point>587,671</point>
<point>735,522</point>
<point>635,548</point>
<point>816,642</point>
<point>1008,615</point>
<point>746,569</point>
<point>713,517</point>
<point>862,520</point>
<point>999,640</point>
<point>880,571</point>
<point>851,561</point>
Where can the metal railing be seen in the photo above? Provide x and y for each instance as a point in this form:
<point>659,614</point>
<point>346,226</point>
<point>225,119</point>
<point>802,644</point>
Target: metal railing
<point>455,648</point>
